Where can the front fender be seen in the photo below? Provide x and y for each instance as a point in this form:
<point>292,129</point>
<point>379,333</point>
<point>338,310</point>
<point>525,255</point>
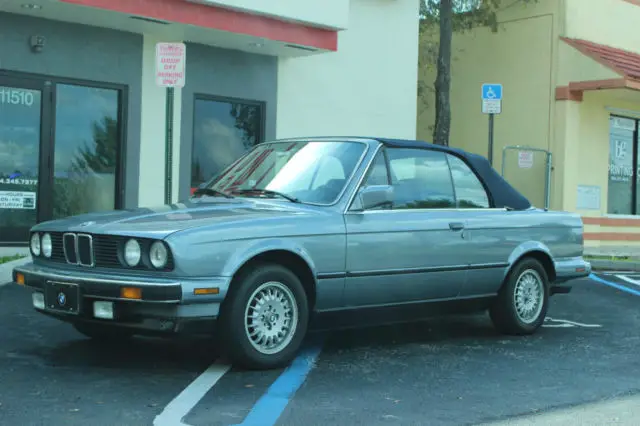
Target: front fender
<point>242,256</point>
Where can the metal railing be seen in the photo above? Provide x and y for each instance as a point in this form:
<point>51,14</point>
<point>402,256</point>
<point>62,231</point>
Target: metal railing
<point>548,162</point>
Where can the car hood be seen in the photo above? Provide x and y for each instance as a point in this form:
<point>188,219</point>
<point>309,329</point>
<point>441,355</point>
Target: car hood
<point>159,222</point>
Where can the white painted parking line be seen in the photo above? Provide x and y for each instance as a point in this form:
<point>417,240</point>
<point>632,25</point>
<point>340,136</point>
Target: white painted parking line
<point>562,323</point>
<point>177,409</point>
<point>627,279</point>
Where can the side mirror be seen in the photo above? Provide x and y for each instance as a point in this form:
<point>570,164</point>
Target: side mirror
<point>370,197</point>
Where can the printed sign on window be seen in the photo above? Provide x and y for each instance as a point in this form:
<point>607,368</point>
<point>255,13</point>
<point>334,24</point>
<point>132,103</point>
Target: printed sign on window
<point>17,200</point>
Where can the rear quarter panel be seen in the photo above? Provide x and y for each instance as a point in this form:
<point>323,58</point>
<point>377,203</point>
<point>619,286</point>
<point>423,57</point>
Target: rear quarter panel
<point>498,239</point>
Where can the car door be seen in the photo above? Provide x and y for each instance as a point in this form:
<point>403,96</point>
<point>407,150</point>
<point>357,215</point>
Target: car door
<point>488,244</point>
<point>409,251</point>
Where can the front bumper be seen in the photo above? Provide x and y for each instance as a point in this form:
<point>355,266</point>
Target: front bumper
<point>166,306</point>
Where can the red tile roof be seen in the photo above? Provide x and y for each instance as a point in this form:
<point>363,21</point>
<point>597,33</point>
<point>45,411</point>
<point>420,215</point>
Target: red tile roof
<point>624,62</point>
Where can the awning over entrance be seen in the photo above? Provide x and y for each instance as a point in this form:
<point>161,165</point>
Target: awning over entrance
<point>188,20</point>
<point>586,66</point>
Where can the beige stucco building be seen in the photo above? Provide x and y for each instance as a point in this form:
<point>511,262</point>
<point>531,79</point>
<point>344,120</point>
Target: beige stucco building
<point>570,71</point>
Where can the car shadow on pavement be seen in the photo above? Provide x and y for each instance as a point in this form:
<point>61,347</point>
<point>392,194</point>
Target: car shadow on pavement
<point>443,329</point>
<point>138,353</point>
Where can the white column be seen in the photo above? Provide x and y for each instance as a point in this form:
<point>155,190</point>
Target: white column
<point>152,133</point>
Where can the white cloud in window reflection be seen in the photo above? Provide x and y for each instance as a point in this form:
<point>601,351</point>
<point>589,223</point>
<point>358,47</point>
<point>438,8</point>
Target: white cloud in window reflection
<point>220,144</point>
<point>15,156</point>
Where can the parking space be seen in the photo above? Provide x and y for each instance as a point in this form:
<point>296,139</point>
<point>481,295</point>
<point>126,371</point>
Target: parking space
<point>447,371</point>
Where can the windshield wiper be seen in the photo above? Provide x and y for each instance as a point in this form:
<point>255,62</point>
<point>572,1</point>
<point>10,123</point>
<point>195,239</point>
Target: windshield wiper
<point>268,192</point>
<point>212,192</point>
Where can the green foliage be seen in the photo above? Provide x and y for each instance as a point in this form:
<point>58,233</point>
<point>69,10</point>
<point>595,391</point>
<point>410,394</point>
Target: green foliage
<point>468,14</point>
<point>75,193</point>
<point>101,156</point>
<point>7,259</point>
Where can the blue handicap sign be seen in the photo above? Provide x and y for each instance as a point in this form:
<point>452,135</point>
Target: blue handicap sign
<point>492,92</point>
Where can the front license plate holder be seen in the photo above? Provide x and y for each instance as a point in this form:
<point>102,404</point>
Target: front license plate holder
<point>62,297</point>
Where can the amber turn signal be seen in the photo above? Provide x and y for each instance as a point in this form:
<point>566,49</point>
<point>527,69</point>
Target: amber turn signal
<point>204,291</point>
<point>20,278</point>
<point>131,293</point>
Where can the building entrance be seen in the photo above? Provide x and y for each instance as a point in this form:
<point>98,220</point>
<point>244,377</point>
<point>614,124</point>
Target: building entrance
<point>60,145</point>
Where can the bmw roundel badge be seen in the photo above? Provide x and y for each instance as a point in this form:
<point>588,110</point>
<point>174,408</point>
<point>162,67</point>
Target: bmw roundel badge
<point>62,299</point>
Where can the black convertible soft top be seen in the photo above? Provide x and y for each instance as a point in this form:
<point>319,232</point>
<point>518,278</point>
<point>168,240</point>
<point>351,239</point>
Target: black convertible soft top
<point>500,191</point>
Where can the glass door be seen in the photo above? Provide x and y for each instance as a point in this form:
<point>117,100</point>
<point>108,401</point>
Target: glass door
<point>22,126</point>
<point>86,149</point>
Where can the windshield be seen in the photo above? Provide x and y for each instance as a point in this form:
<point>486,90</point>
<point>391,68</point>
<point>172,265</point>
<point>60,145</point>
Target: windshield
<point>302,171</point>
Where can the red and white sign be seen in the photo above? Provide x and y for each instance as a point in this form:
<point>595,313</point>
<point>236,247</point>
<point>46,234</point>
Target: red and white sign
<point>171,61</point>
<point>525,159</point>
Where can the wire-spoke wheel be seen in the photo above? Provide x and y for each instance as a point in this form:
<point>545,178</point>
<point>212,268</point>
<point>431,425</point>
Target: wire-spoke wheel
<point>271,317</point>
<point>528,296</point>
<point>264,317</point>
<point>523,300</point>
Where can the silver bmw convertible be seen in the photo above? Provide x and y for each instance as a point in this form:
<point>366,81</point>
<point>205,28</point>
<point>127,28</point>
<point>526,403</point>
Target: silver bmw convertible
<point>310,232</point>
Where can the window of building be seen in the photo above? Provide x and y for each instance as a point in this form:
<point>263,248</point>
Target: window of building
<point>623,161</point>
<point>421,179</point>
<point>223,130</point>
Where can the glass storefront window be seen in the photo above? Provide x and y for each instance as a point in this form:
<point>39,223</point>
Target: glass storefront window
<point>20,121</point>
<point>87,132</point>
<point>223,130</point>
<point>623,165</point>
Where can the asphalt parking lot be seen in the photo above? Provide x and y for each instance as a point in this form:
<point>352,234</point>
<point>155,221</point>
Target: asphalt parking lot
<point>449,371</point>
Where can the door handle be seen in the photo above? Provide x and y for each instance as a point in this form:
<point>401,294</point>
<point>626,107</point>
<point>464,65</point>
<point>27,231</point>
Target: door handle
<point>456,226</point>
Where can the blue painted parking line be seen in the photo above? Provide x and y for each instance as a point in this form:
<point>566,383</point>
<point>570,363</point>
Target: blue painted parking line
<point>614,285</point>
<point>272,404</point>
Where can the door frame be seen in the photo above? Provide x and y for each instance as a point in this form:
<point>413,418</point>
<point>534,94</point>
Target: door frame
<point>47,84</point>
<point>20,82</point>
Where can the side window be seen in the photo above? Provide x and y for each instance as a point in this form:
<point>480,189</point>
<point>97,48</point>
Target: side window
<point>377,172</point>
<point>421,179</point>
<point>470,193</point>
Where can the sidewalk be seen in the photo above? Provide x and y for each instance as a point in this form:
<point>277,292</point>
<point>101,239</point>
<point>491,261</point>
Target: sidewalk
<point>6,269</point>
<point>614,264</point>
<point>619,411</point>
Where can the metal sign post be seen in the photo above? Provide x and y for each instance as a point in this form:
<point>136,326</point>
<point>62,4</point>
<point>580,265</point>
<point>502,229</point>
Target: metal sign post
<point>170,73</point>
<point>491,104</point>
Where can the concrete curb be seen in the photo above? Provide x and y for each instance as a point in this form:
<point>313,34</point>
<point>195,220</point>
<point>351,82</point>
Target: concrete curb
<point>6,269</point>
<point>615,265</point>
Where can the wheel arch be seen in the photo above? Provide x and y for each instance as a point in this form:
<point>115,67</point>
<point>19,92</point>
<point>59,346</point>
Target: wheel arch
<point>537,251</point>
<point>287,258</point>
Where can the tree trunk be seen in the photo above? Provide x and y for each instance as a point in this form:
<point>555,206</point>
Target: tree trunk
<point>443,79</point>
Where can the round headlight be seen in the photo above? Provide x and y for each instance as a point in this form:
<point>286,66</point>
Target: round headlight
<point>47,247</point>
<point>132,253</point>
<point>35,244</point>
<point>158,255</point>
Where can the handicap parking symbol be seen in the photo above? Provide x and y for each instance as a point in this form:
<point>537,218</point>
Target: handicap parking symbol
<point>492,92</point>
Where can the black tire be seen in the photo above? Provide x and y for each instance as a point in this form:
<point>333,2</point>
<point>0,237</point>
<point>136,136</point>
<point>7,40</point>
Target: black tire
<point>104,333</point>
<point>503,311</point>
<point>237,343</point>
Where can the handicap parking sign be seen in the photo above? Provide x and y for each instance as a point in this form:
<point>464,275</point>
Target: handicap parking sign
<point>491,98</point>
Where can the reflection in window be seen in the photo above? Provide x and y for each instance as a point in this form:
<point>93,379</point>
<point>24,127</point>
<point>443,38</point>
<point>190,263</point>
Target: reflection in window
<point>223,131</point>
<point>378,173</point>
<point>421,179</point>
<point>19,161</point>
<point>313,172</point>
<point>622,152</point>
<point>469,191</point>
<point>87,132</point>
